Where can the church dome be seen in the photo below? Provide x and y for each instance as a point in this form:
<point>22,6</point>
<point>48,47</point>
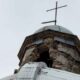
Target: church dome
<point>55,28</point>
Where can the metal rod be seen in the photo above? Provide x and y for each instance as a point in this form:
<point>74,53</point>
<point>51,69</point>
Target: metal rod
<point>48,22</point>
<point>57,7</point>
<point>56,13</point>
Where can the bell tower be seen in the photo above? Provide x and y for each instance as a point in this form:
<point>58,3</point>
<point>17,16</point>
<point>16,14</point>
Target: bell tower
<point>54,45</point>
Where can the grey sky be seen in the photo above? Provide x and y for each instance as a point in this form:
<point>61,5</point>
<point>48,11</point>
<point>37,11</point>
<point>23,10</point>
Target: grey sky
<point>20,18</point>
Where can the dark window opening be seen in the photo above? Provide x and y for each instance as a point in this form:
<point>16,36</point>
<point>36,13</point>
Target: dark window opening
<point>44,57</point>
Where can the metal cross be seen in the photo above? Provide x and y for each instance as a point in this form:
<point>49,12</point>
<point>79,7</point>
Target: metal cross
<point>55,13</point>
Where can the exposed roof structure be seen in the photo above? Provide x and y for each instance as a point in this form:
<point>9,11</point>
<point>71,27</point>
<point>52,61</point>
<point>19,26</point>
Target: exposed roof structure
<point>39,71</point>
<point>55,28</point>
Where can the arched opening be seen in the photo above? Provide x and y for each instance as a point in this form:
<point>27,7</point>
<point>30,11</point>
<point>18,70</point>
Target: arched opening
<point>44,57</point>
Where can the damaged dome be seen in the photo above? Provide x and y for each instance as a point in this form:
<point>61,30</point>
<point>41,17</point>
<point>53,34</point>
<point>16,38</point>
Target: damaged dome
<point>55,28</point>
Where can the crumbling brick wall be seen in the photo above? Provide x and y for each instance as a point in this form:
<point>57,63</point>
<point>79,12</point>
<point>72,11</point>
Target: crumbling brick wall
<point>63,56</point>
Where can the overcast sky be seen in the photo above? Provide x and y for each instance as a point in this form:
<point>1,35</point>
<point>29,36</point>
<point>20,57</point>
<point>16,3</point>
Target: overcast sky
<point>20,18</point>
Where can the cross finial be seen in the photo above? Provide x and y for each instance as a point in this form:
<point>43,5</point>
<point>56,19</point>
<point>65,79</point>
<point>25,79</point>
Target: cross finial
<point>55,13</point>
